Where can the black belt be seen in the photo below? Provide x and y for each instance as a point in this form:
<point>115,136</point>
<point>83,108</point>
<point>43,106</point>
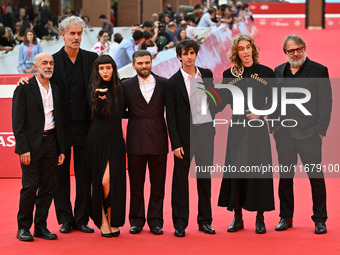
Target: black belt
<point>49,132</point>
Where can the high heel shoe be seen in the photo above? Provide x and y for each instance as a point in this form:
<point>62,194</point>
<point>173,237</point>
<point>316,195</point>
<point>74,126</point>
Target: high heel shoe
<point>106,234</point>
<point>116,234</point>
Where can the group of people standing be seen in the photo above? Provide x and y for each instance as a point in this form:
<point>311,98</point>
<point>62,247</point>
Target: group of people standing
<point>77,100</point>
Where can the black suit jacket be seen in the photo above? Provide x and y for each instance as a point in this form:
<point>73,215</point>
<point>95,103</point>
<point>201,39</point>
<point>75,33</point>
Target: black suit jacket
<point>28,118</point>
<point>178,113</point>
<point>313,77</point>
<point>60,80</point>
<point>146,130</point>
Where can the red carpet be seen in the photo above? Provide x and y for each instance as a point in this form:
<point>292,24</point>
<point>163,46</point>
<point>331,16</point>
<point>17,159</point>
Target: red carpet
<point>321,47</point>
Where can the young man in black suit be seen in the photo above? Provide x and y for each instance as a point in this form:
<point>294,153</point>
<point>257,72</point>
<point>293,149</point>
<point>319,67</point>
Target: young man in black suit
<point>147,142</point>
<point>73,67</point>
<point>38,128</point>
<point>181,121</point>
<point>305,139</point>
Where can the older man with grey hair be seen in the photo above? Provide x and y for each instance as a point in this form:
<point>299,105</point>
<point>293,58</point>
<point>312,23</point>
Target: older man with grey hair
<point>72,70</point>
<point>304,139</point>
<point>37,119</point>
<point>73,67</point>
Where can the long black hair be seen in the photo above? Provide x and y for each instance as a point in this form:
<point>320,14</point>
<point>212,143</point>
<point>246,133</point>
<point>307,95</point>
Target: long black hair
<point>97,83</point>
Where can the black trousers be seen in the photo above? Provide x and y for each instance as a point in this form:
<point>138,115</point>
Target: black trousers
<point>202,148</point>
<point>157,172</point>
<point>38,176</point>
<point>75,137</point>
<point>309,151</point>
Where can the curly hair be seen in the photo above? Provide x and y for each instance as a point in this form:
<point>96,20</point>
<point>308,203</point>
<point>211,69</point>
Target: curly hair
<point>67,22</point>
<point>233,53</point>
<point>97,82</point>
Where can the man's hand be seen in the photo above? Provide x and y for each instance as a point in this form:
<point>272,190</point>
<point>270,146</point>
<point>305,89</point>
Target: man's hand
<point>179,152</point>
<point>25,158</point>
<point>61,159</point>
<point>23,81</point>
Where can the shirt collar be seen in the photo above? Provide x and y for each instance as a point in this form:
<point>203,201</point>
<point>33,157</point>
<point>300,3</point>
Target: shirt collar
<point>41,86</point>
<point>147,80</point>
<point>186,76</point>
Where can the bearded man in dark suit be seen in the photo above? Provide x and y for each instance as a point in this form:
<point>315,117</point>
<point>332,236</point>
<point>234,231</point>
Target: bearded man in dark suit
<point>39,133</point>
<point>147,142</point>
<point>305,139</point>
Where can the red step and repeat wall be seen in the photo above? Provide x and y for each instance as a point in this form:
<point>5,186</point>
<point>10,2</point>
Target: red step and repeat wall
<point>9,161</point>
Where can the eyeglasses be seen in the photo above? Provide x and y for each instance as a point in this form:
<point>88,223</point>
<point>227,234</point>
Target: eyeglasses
<point>298,50</point>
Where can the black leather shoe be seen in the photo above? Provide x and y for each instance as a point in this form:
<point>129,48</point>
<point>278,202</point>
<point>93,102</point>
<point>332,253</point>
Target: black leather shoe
<point>206,228</point>
<point>236,225</point>
<point>157,231</point>
<point>24,235</point>
<point>135,229</point>
<point>83,228</point>
<point>180,232</point>
<point>65,228</point>
<point>44,233</point>
<point>260,226</point>
<point>284,224</point>
<point>320,228</point>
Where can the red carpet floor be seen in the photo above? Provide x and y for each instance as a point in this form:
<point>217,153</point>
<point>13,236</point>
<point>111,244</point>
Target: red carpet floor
<point>322,47</point>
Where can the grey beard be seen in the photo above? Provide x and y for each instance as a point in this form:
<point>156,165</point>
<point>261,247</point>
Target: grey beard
<point>297,63</point>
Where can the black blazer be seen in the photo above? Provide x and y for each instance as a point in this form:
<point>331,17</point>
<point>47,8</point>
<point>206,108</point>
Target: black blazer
<point>60,80</point>
<point>178,113</point>
<point>146,130</point>
<point>313,77</point>
<point>28,118</point>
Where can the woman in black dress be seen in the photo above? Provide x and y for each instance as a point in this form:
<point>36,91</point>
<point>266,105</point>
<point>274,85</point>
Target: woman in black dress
<point>105,150</point>
<point>248,146</point>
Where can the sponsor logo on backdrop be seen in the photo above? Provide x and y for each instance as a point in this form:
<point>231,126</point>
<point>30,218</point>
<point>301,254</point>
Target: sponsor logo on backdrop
<point>7,139</point>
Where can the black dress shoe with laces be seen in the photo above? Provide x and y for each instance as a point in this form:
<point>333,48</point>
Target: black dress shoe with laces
<point>284,224</point>
<point>24,235</point>
<point>83,228</point>
<point>260,227</point>
<point>157,231</point>
<point>65,228</point>
<point>180,232</point>
<point>44,233</point>
<point>206,228</point>
<point>135,229</point>
<point>236,225</point>
<point>320,228</point>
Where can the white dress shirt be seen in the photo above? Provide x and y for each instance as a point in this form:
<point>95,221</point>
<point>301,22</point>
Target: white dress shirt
<point>47,100</point>
<point>197,97</point>
<point>147,86</point>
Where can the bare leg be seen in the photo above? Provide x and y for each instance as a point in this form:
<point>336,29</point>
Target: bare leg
<point>105,227</point>
<point>106,190</point>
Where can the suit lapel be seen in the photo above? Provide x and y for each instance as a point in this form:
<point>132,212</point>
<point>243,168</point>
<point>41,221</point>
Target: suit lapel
<point>55,99</point>
<point>59,59</point>
<point>156,90</point>
<point>137,93</point>
<point>181,85</point>
<point>36,92</point>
